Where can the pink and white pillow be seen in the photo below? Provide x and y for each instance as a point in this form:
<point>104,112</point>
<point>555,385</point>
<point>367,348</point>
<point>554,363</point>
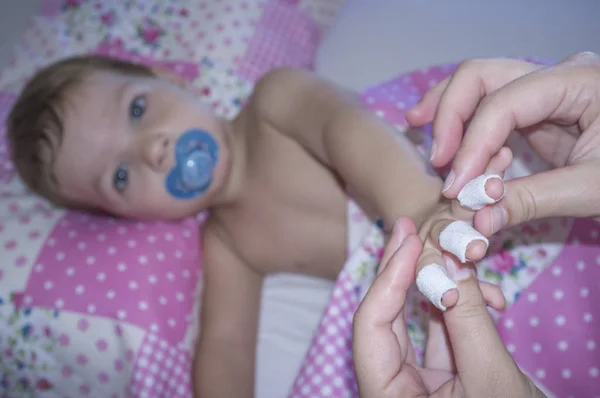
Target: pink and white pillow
<point>251,35</point>
<point>95,306</point>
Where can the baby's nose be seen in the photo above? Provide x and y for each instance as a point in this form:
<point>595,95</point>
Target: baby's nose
<point>155,151</point>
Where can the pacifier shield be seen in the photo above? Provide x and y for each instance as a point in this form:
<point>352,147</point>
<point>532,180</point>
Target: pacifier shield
<point>196,156</point>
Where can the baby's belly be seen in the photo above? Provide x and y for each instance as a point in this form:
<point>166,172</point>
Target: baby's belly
<point>324,258</point>
<point>311,248</point>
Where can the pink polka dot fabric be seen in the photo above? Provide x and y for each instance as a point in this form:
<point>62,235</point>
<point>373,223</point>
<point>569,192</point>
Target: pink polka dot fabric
<point>161,370</point>
<point>266,51</point>
<point>142,274</point>
<point>553,330</point>
<point>328,369</point>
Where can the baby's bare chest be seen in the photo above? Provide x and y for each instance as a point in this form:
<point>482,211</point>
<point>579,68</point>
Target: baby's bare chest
<point>292,217</point>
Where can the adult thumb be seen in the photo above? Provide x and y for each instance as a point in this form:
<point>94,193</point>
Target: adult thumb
<point>568,191</point>
<point>483,363</point>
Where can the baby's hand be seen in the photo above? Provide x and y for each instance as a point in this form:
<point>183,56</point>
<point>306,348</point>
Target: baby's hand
<point>450,243</point>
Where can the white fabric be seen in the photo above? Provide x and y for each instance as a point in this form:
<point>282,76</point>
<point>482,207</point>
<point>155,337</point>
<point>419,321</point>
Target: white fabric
<point>291,308</point>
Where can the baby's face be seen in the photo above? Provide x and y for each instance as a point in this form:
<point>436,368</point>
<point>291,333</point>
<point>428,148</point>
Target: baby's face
<point>119,143</point>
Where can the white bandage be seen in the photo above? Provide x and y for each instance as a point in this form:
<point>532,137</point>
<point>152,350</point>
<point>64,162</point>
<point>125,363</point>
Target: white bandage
<point>433,281</point>
<point>473,195</point>
<point>455,238</point>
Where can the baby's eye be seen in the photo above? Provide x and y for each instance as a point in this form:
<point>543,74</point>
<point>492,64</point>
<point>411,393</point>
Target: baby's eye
<point>137,108</point>
<point>120,178</point>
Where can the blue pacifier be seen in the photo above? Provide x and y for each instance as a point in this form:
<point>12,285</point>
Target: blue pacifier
<point>196,156</point>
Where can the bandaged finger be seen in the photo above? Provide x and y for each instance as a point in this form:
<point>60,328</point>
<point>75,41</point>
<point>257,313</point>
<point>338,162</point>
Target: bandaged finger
<point>433,281</point>
<point>473,195</point>
<point>457,236</point>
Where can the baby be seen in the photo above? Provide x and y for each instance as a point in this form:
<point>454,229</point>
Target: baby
<point>106,135</point>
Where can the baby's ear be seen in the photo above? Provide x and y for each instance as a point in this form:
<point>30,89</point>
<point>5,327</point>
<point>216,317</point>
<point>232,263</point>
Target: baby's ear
<point>167,74</point>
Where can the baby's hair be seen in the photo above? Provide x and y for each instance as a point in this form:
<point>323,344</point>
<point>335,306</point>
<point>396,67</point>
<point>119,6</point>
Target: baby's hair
<point>35,123</point>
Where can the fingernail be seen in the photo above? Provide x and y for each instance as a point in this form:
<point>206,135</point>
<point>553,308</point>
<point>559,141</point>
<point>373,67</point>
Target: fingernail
<point>499,218</point>
<point>399,233</point>
<point>449,181</point>
<point>457,272</point>
<point>433,149</point>
<point>494,188</point>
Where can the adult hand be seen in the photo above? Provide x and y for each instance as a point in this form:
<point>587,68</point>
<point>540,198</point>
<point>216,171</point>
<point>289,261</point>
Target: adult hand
<point>383,356</point>
<point>556,108</point>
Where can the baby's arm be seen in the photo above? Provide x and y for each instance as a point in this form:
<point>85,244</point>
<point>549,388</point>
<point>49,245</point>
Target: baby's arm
<point>380,167</point>
<point>225,357</point>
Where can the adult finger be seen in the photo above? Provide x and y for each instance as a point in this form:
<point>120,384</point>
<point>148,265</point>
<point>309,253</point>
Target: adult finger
<point>458,238</point>
<point>481,359</point>
<point>438,283</point>
<point>381,306</point>
<point>498,165</point>
<point>438,352</point>
<point>433,279</point>
<point>459,242</point>
<point>472,81</point>
<point>558,93</point>
<point>570,191</point>
<point>424,111</point>
<point>486,189</point>
<point>377,352</point>
<point>402,227</point>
